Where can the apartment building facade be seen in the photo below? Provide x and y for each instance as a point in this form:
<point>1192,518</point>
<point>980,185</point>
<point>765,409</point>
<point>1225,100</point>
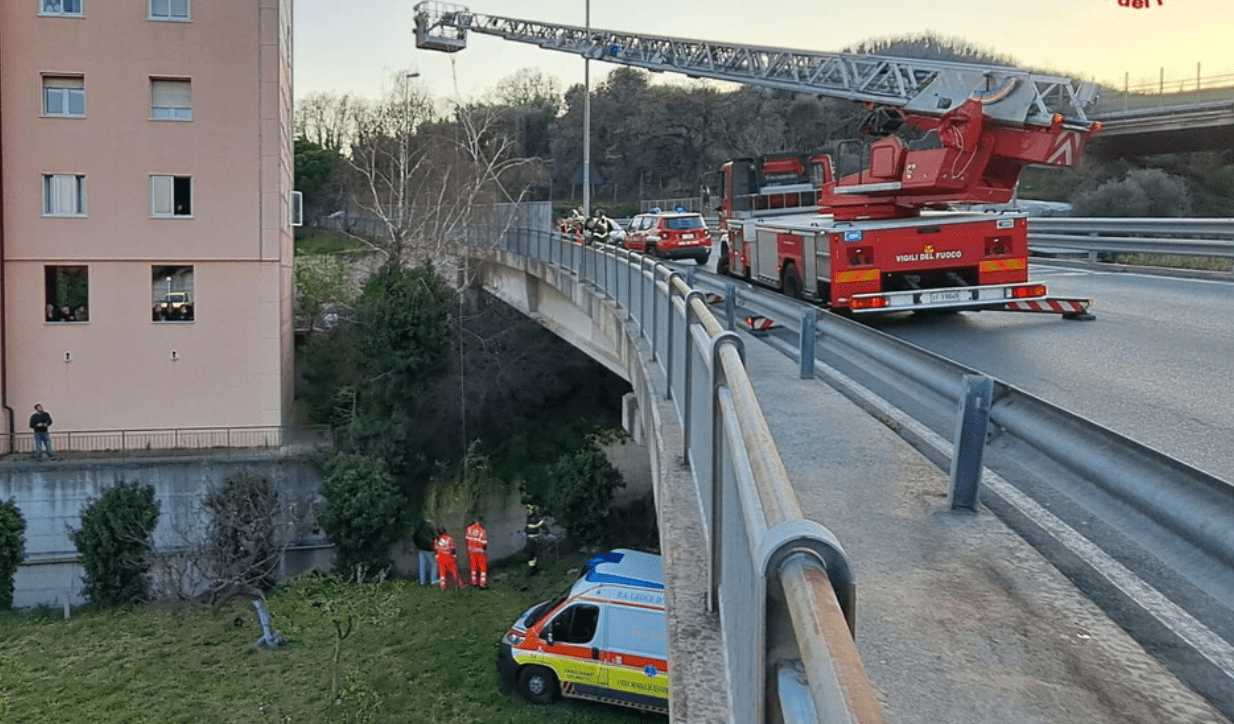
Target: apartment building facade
<point>145,233</point>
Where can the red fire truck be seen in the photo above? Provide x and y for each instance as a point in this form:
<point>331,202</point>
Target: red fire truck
<point>882,239</point>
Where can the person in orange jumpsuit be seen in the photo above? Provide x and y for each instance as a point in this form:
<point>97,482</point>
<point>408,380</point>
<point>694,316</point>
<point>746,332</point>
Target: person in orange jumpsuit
<point>446,563</point>
<point>477,553</point>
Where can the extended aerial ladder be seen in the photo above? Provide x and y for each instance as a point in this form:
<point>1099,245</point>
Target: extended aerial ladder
<point>981,125</point>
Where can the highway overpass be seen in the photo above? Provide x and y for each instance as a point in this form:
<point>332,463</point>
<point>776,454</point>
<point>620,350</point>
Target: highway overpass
<point>957,619</point>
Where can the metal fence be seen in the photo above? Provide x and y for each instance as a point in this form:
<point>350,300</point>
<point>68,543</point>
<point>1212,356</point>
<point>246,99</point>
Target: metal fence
<point>762,548</point>
<point>127,442</point>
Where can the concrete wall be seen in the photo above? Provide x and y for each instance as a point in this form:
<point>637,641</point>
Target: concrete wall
<point>52,498</point>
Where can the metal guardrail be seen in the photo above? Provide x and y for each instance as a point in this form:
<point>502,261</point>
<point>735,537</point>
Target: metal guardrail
<point>1177,237</point>
<point>1191,508</point>
<point>762,548</point>
<point>166,439</point>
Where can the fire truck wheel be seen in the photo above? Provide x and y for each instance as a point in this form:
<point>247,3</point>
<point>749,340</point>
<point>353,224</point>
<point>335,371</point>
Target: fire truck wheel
<point>722,260</point>
<point>701,259</point>
<point>790,281</point>
<point>538,684</point>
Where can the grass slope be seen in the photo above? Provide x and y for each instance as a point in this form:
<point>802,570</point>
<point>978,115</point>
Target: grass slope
<point>411,654</point>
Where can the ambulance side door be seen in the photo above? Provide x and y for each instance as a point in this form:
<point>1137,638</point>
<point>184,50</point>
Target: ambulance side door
<point>573,640</point>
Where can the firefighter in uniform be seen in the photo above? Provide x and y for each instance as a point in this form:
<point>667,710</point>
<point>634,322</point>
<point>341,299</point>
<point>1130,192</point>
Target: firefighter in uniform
<point>446,563</point>
<point>477,553</point>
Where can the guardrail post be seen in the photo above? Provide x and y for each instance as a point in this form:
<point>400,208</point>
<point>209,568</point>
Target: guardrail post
<point>972,420</point>
<point>719,379</point>
<point>809,321</point>
<point>730,305</point>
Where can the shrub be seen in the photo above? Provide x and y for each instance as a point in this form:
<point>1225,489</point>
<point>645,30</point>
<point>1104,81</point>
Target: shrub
<point>580,493</point>
<point>114,542</point>
<point>365,511</point>
<point>1139,193</point>
<point>242,533</point>
<point>12,549</point>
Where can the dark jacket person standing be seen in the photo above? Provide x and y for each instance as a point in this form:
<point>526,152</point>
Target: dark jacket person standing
<point>39,422</point>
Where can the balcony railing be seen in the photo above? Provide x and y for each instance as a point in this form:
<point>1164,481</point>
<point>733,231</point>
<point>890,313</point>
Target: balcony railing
<point>169,440</point>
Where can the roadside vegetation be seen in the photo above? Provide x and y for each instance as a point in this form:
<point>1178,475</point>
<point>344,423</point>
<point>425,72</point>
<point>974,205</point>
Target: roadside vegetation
<point>410,654</point>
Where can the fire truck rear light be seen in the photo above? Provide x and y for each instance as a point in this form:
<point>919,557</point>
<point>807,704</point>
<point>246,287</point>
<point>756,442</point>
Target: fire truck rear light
<point>868,302</point>
<point>1036,290</point>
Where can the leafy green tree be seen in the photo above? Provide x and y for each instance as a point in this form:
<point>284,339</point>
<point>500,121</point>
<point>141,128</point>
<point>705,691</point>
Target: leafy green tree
<point>402,321</point>
<point>314,177</point>
<point>366,511</point>
<point>12,549</point>
<point>581,494</point>
<point>114,542</point>
<point>321,279</point>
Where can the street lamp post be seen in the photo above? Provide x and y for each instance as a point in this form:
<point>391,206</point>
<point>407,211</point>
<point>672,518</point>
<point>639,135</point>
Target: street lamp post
<point>587,124</point>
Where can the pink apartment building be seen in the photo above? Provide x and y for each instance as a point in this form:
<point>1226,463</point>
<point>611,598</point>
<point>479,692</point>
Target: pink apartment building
<point>145,233</point>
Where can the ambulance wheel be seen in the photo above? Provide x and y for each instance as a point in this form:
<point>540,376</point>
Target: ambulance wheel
<point>538,684</point>
<point>722,260</point>
<point>790,281</point>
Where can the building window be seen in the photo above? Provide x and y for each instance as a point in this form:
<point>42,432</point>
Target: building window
<point>169,9</point>
<point>171,100</point>
<point>171,292</point>
<point>64,96</point>
<point>64,195</point>
<point>171,196</point>
<point>60,7</point>
<point>66,294</point>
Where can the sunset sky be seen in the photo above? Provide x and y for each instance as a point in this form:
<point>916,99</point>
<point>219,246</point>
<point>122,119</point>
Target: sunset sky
<point>360,48</point>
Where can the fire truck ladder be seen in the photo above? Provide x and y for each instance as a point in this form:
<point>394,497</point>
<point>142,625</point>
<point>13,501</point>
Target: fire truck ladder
<point>922,87</point>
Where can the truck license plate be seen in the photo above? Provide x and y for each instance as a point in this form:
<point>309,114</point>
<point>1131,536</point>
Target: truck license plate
<point>937,297</point>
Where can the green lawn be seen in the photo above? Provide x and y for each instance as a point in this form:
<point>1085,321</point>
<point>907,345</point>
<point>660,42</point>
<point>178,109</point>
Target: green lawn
<point>415,654</point>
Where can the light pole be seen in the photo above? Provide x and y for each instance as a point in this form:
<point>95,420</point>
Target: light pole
<point>587,123</point>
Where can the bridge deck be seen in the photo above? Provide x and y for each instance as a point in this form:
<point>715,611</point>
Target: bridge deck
<point>959,620</point>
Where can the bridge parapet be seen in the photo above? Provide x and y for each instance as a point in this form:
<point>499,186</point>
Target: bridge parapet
<point>763,560</point>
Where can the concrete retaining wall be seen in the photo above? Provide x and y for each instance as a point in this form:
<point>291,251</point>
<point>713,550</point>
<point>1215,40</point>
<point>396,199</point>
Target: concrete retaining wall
<point>53,496</point>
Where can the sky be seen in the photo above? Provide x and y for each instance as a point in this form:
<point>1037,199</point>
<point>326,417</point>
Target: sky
<point>345,46</point>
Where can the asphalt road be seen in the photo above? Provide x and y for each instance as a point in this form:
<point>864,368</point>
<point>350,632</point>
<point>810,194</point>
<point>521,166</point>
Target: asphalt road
<point>1156,365</point>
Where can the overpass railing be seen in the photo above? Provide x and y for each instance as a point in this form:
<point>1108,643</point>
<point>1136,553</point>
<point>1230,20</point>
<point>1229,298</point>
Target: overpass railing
<point>766,561</point>
<point>1212,238</point>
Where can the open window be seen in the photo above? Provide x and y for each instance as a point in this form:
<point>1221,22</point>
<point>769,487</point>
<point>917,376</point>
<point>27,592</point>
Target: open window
<point>64,194</point>
<point>66,294</point>
<point>171,294</point>
<point>171,196</point>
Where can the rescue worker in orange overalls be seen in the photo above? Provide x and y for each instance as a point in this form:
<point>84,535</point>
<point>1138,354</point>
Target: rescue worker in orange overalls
<point>446,563</point>
<point>477,553</point>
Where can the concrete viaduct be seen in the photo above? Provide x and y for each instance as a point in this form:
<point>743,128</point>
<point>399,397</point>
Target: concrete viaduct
<point>960,619</point>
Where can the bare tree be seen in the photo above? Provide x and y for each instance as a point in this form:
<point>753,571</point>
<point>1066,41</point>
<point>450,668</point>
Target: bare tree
<point>426,181</point>
<point>325,119</point>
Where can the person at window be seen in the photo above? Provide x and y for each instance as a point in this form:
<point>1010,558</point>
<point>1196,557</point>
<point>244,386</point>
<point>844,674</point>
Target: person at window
<point>477,553</point>
<point>39,422</point>
<point>446,562</point>
<point>50,314</point>
<point>66,313</point>
<point>81,314</point>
